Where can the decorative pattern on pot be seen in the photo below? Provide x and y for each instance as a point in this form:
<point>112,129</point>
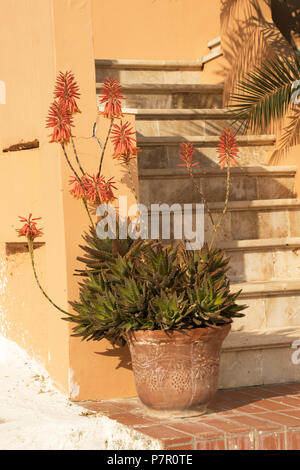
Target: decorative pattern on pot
<point>176,370</point>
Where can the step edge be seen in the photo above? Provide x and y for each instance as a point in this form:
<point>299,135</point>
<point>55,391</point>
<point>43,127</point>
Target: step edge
<point>144,114</point>
<point>161,88</point>
<point>136,64</point>
<point>214,42</point>
<point>257,203</point>
<point>266,205</point>
<point>265,338</point>
<point>183,113</point>
<point>174,140</point>
<point>259,244</point>
<point>125,110</point>
<point>160,173</point>
<point>214,54</point>
<point>266,288</point>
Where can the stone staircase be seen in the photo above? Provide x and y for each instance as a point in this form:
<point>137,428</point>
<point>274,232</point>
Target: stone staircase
<point>261,230</point>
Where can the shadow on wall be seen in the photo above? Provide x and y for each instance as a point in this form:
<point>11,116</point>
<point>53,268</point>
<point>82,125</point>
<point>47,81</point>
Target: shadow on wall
<point>283,343</point>
<point>249,36</point>
<point>121,352</point>
<point>252,32</point>
<point>286,16</point>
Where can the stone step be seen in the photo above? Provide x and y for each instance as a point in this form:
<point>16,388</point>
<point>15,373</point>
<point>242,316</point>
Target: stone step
<point>215,52</point>
<point>163,152</point>
<point>261,355</point>
<point>263,182</point>
<point>271,304</point>
<point>161,95</point>
<point>150,71</point>
<point>261,219</point>
<point>274,259</point>
<point>247,220</point>
<point>174,122</point>
<point>214,43</point>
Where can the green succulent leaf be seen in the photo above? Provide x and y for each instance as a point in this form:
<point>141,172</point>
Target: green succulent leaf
<point>142,285</point>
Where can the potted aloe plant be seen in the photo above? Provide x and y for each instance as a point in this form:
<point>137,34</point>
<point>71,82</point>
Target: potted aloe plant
<point>172,306</point>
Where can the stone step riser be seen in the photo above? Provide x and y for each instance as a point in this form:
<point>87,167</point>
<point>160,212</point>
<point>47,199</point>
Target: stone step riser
<point>167,100</point>
<point>256,224</point>
<point>181,190</point>
<point>248,224</point>
<point>252,225</point>
<point>265,365</point>
<point>150,76</point>
<point>173,127</point>
<point>167,156</point>
<point>266,265</point>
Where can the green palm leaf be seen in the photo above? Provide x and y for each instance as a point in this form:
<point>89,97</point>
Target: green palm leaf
<point>264,95</point>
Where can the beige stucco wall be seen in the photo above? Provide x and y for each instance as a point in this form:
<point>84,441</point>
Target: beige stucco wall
<point>154,29</point>
<point>27,68</point>
<point>40,43</point>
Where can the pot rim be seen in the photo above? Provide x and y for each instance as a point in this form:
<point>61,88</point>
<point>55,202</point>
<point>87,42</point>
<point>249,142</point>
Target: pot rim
<point>184,335</point>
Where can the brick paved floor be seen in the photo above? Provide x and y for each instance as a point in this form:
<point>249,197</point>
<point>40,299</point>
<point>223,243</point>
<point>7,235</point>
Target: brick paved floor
<point>261,418</point>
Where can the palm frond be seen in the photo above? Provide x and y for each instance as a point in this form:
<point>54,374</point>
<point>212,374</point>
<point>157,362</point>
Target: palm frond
<point>290,137</point>
<point>264,95</point>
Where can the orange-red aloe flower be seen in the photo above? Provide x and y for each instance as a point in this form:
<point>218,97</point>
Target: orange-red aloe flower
<point>79,189</point>
<point>111,96</point>
<point>186,155</point>
<point>227,149</point>
<point>94,189</point>
<point>67,91</point>
<point>124,143</point>
<point>99,191</point>
<point>29,229</point>
<point>60,119</point>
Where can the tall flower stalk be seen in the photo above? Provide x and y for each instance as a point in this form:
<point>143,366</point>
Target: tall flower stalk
<point>228,155</point>
<point>92,189</point>
<point>125,148</point>
<point>31,232</point>
<point>61,121</point>
<point>105,145</point>
<point>186,155</point>
<point>111,97</point>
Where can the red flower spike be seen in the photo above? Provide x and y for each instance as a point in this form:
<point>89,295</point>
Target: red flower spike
<point>60,119</point>
<point>111,96</point>
<point>79,189</point>
<point>228,150</point>
<point>29,229</point>
<point>67,91</point>
<point>186,155</point>
<point>96,190</point>
<point>124,143</point>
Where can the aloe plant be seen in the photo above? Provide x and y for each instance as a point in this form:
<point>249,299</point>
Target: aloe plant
<point>142,285</point>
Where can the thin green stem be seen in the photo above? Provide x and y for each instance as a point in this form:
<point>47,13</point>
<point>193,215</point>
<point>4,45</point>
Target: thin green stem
<point>30,247</point>
<point>202,196</point>
<point>69,163</point>
<point>79,180</point>
<point>220,219</point>
<point>131,181</point>
<point>88,212</point>
<point>76,156</point>
<point>104,147</point>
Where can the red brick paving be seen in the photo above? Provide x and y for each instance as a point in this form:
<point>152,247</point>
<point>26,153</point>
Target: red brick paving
<point>252,418</point>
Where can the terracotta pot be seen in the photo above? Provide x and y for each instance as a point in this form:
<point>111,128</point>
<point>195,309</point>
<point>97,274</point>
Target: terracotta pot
<point>177,370</point>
